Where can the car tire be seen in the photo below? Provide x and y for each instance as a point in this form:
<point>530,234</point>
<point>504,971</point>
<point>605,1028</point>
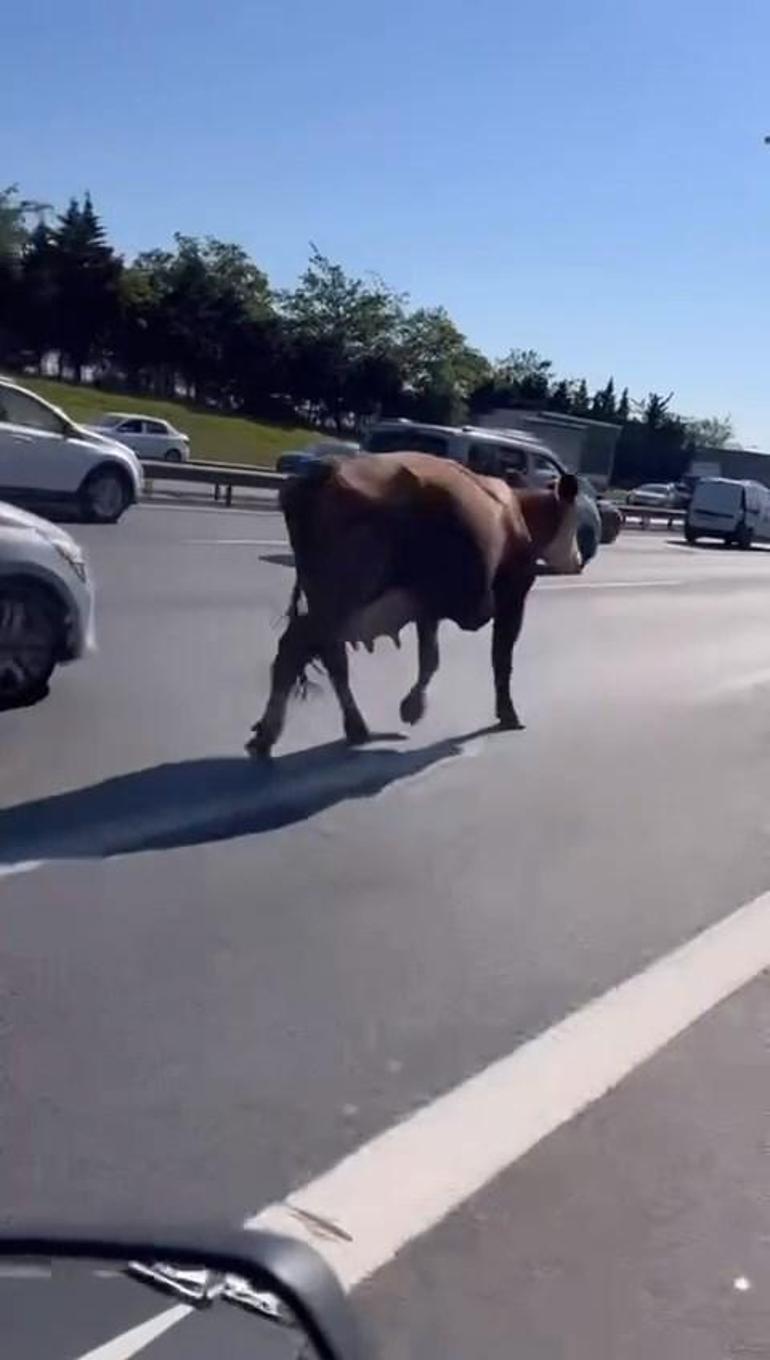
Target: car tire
<point>743,537</point>
<point>690,536</point>
<point>172,456</point>
<point>587,542</point>
<point>30,642</point>
<point>104,495</point>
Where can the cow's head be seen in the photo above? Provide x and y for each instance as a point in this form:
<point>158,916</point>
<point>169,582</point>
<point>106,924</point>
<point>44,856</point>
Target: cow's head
<point>552,522</point>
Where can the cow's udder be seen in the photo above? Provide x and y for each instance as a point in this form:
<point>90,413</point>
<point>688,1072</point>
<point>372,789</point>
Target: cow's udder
<point>384,617</point>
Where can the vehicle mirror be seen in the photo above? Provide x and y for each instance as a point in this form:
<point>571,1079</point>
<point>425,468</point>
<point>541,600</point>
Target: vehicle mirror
<point>232,1294</point>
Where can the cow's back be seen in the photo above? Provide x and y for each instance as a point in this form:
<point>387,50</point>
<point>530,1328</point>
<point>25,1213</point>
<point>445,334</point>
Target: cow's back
<point>406,521</point>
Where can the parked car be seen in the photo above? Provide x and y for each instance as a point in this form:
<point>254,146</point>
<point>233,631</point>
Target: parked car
<point>148,436</point>
<point>521,458</point>
<point>46,604</point>
<point>661,494</point>
<point>48,460</point>
<point>736,512</point>
<point>297,460</point>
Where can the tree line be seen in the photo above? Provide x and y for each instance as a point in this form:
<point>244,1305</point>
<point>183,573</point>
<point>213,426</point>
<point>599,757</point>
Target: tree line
<point>202,321</point>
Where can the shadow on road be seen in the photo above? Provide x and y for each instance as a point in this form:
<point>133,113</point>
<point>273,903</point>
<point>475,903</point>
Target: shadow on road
<point>278,559</point>
<point>191,802</point>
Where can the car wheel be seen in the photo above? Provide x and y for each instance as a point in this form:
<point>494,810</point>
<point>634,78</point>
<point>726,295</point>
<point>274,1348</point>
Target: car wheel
<point>172,456</point>
<point>690,535</point>
<point>743,537</point>
<point>30,634</point>
<point>104,496</point>
<point>587,542</point>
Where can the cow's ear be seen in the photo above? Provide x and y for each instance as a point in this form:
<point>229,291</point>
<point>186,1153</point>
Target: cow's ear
<point>568,487</point>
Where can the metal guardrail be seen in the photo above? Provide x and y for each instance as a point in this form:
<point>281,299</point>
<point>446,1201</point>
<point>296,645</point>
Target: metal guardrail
<point>663,516</point>
<point>222,477</point>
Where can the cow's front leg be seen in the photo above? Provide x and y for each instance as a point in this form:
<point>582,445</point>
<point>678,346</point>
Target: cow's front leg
<point>509,616</point>
<point>413,703</point>
<point>295,650</point>
<point>335,658</point>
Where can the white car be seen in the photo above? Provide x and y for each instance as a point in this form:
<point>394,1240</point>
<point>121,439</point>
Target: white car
<point>46,460</point>
<point>146,435</point>
<point>46,604</point>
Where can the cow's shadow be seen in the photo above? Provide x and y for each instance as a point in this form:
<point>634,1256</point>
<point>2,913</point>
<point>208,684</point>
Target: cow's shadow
<point>191,802</point>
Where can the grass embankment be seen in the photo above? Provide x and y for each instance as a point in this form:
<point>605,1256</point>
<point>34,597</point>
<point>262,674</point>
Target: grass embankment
<point>213,438</point>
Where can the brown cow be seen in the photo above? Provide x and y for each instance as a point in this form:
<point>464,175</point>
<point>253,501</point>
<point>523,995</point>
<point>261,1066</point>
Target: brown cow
<point>389,539</point>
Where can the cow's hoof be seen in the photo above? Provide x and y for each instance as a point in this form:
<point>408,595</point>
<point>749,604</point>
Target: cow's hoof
<point>356,732</point>
<point>260,745</point>
<point>510,722</point>
<point>412,707</point>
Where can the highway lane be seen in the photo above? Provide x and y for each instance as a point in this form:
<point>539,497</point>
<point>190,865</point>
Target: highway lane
<point>195,1029</point>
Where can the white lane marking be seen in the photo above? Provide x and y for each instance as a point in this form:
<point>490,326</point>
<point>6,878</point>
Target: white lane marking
<point>123,1347</point>
<point>406,1180</point>
<point>24,866</point>
<point>256,507</point>
<point>606,585</point>
<point>23,1271</point>
<point>242,542</point>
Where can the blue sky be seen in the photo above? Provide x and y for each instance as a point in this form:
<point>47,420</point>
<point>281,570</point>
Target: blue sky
<point>588,180</point>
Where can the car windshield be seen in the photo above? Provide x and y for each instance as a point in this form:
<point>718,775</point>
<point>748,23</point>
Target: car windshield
<point>385,664</point>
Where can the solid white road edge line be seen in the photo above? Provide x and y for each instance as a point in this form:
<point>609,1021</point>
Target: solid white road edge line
<point>405,1181</point>
<point>123,1347</point>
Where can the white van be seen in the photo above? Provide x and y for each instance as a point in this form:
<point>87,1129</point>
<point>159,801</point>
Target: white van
<point>736,512</point>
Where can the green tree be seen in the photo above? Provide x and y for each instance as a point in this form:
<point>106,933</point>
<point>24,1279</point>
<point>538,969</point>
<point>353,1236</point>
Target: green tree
<point>560,398</point>
<point>710,431</point>
<point>581,404</point>
<point>85,278</point>
<point>335,322</point>
<point>15,231</point>
<point>624,407</point>
<point>440,369</point>
<point>191,315</point>
<point>604,406</point>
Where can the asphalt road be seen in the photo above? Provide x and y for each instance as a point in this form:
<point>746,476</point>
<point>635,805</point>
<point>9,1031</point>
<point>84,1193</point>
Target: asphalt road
<point>219,978</point>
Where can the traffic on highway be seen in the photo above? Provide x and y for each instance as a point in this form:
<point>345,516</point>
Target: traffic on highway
<point>268,1078</point>
<point>384,682</point>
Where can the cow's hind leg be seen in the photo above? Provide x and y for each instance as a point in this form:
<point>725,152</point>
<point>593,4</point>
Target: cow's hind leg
<point>509,616</point>
<point>413,703</point>
<point>335,658</point>
<point>295,650</point>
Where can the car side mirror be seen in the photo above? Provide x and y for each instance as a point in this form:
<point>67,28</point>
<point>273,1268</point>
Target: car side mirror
<point>115,1293</point>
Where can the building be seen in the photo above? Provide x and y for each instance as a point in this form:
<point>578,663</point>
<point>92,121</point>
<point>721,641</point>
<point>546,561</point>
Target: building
<point>742,465</point>
<point>584,446</point>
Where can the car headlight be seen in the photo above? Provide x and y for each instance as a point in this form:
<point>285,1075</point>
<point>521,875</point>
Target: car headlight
<point>72,556</point>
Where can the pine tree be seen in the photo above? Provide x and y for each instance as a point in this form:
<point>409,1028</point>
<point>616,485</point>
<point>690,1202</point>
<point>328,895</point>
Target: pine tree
<point>86,275</point>
<point>581,403</point>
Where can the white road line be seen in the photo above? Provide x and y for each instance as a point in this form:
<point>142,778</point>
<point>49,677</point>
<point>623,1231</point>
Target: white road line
<point>24,1271</point>
<point>402,1183</point>
<point>215,508</point>
<point>605,585</point>
<point>24,866</point>
<point>242,542</point>
<point>123,1347</point>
